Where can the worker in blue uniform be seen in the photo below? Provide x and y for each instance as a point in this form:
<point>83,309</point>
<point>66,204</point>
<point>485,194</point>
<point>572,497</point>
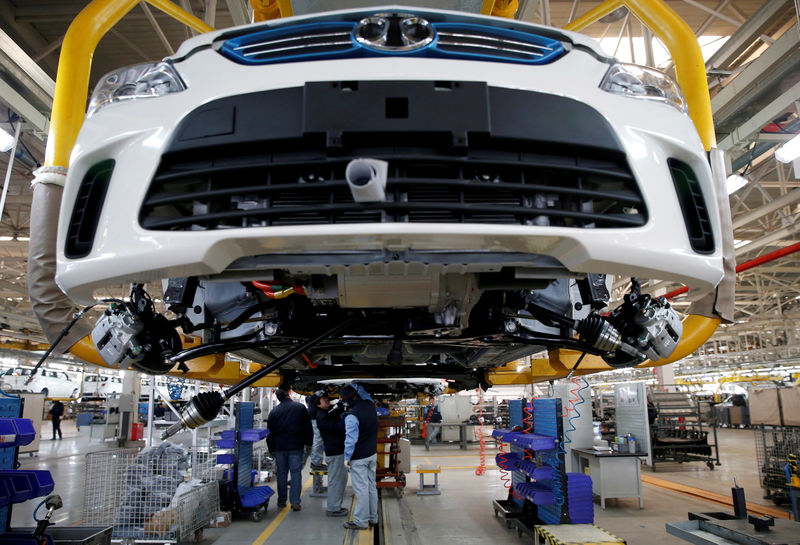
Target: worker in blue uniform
<point>360,455</point>
<point>289,432</point>
<point>331,427</point>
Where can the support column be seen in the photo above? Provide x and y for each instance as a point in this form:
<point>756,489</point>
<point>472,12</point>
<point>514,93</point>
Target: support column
<point>666,376</point>
<point>150,402</point>
<point>129,403</point>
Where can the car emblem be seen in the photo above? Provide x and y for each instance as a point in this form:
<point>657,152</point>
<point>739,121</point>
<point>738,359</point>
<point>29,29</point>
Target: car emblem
<point>394,32</point>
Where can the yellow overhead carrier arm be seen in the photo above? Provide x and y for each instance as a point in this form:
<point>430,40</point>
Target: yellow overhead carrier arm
<point>69,102</point>
<point>99,16</point>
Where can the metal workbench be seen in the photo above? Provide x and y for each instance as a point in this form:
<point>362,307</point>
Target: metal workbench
<point>614,474</point>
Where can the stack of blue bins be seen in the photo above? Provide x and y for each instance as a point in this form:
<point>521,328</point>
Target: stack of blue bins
<point>580,501</point>
<point>20,485</point>
<point>249,496</point>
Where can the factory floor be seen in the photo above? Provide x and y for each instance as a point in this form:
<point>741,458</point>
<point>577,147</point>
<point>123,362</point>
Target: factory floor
<point>461,514</point>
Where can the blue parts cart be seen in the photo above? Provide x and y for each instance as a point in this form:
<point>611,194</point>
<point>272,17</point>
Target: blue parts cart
<point>541,492</point>
<point>239,493</point>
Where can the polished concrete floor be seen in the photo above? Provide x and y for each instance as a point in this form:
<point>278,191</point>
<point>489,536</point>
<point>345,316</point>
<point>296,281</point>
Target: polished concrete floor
<point>461,514</point>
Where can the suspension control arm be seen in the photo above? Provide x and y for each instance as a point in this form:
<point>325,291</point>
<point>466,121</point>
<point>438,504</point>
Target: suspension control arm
<point>204,407</point>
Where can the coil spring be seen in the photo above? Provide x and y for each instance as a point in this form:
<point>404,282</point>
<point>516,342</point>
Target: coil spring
<point>481,469</point>
<point>505,475</point>
<point>575,399</point>
<point>528,425</point>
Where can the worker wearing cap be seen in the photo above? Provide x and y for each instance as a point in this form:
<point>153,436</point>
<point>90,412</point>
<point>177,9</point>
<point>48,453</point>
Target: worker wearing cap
<point>360,456</point>
<point>331,428</point>
<point>289,431</point>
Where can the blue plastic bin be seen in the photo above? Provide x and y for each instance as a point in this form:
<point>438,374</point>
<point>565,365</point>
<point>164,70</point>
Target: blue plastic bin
<point>256,496</point>
<point>17,484</point>
<point>533,441</point>
<point>26,433</point>
<point>40,480</point>
<point>5,497</point>
<point>225,458</point>
<point>8,433</point>
<point>253,435</point>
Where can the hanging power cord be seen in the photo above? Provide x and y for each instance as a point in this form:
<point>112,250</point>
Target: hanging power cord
<point>481,469</point>
<point>37,519</point>
<point>575,367</point>
<point>427,421</point>
<point>75,317</point>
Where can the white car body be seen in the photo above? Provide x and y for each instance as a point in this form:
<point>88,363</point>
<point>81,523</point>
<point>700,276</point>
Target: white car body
<point>433,266</point>
<point>56,384</point>
<point>101,385</point>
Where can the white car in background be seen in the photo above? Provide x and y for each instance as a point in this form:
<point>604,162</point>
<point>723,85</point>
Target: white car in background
<point>111,386</point>
<point>53,384</point>
<point>101,385</point>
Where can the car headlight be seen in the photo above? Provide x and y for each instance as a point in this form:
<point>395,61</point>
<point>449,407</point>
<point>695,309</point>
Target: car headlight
<point>132,82</point>
<point>642,82</point>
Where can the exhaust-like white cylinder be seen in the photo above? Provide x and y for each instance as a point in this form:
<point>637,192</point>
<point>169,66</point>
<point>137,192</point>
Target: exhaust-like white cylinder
<point>367,179</point>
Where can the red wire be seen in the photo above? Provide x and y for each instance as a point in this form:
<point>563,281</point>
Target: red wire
<point>528,420</point>
<point>504,474</point>
<point>311,364</point>
<point>266,288</point>
<point>482,467</point>
<point>425,424</point>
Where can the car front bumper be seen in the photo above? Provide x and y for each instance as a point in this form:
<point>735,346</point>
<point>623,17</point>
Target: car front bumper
<point>137,134</point>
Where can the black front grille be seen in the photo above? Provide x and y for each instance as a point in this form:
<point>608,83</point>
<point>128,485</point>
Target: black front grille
<point>86,212</point>
<point>297,182</point>
<point>693,206</point>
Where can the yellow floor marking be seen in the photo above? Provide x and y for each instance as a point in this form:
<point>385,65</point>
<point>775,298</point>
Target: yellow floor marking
<point>468,467</point>
<point>712,497</point>
<point>282,515</point>
<point>455,456</point>
<point>427,461</point>
<point>386,536</point>
<point>366,537</point>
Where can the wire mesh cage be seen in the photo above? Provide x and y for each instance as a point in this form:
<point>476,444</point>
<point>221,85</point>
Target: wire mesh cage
<point>162,494</point>
<point>773,447</point>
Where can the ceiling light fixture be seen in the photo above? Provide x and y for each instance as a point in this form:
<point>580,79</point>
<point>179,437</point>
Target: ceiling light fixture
<point>789,151</point>
<point>735,182</point>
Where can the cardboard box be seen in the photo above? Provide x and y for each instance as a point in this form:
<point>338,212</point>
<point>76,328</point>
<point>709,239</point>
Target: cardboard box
<point>221,520</point>
<point>161,522</point>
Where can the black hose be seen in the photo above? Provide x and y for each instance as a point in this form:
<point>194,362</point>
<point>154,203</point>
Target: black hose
<point>261,373</point>
<point>247,313</point>
<point>77,316</point>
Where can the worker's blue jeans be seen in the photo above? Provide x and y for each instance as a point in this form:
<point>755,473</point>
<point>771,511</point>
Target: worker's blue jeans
<point>289,461</point>
<point>316,446</point>
<point>362,475</point>
<point>337,482</point>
